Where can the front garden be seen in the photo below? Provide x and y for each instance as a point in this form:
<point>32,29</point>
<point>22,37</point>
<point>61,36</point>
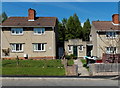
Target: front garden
<point>33,68</point>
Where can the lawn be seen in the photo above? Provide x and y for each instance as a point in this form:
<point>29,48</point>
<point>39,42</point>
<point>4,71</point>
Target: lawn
<point>33,68</point>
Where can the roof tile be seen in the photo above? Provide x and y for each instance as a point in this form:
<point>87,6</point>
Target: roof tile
<point>23,21</point>
<point>105,25</point>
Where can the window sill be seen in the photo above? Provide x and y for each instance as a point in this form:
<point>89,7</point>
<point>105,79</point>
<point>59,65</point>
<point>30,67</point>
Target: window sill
<point>17,51</point>
<point>39,34</point>
<point>17,34</point>
<point>110,37</point>
<point>70,51</point>
<point>39,51</point>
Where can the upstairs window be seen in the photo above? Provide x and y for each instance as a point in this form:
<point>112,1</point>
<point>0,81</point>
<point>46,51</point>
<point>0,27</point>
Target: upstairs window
<point>17,47</point>
<point>16,31</point>
<point>39,31</point>
<point>39,47</point>
<point>110,50</point>
<point>110,34</point>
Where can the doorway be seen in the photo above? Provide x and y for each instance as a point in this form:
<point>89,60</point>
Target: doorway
<point>89,49</point>
<point>75,51</point>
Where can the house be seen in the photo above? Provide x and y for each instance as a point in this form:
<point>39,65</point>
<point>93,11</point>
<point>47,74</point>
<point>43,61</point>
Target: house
<point>29,37</point>
<point>76,47</point>
<point>105,38</point>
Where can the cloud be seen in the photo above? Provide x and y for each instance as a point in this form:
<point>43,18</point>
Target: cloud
<point>60,0</point>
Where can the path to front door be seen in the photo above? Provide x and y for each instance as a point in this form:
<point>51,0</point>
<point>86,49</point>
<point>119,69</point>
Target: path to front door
<point>82,70</point>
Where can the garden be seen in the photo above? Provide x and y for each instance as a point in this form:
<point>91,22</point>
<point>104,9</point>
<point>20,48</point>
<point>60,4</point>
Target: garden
<point>33,68</point>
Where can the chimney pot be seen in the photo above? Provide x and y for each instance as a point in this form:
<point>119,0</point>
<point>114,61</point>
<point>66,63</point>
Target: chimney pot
<point>115,18</point>
<point>31,14</point>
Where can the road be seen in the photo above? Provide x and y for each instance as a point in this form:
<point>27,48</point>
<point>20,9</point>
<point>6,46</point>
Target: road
<point>58,82</point>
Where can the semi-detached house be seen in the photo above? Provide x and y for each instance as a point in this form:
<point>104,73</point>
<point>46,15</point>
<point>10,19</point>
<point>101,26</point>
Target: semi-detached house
<point>29,37</point>
<point>105,37</point>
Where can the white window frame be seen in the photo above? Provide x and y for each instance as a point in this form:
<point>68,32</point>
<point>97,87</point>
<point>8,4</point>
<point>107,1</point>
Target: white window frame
<point>114,34</point>
<point>81,46</point>
<point>69,48</point>
<point>15,32</point>
<point>44,45</point>
<point>41,30</point>
<point>109,51</point>
<point>13,45</point>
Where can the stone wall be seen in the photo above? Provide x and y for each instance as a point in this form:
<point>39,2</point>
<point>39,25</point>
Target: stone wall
<point>104,69</point>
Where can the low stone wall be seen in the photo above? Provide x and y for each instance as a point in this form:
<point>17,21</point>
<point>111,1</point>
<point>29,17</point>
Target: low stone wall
<point>70,70</point>
<point>104,69</point>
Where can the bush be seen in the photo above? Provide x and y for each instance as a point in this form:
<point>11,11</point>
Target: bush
<point>67,57</point>
<point>72,56</point>
<point>70,62</point>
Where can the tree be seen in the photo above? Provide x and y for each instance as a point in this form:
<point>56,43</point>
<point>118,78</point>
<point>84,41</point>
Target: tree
<point>73,28</point>
<point>86,30</point>
<point>3,17</point>
<point>62,29</point>
<point>78,26</point>
<point>70,29</point>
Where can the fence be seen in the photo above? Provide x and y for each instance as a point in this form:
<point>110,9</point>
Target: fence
<point>104,69</point>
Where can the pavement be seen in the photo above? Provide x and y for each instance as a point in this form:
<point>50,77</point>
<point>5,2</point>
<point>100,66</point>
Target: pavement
<point>82,70</point>
<point>47,81</point>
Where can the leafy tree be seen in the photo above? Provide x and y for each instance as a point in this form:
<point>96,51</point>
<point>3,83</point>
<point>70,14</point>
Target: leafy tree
<point>72,29</point>
<point>3,17</point>
<point>77,26</point>
<point>86,30</point>
<point>62,29</point>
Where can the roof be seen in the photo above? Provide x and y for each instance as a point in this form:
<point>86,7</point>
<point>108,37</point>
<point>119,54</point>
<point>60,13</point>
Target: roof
<point>105,25</point>
<point>23,21</point>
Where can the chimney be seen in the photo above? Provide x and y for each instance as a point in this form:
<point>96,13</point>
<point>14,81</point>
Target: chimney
<point>31,14</point>
<point>115,18</point>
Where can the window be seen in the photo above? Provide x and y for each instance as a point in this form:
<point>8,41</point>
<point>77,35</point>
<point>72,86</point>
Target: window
<point>69,48</point>
<point>110,50</point>
<point>16,31</point>
<point>17,47</point>
<point>81,47</point>
<point>39,31</point>
<point>111,34</point>
<point>39,47</point>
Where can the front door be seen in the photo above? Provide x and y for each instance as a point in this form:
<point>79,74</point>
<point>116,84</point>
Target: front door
<point>75,50</point>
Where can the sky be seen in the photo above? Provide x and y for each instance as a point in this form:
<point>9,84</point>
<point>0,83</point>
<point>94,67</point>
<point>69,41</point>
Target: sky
<point>93,10</point>
<point>59,0</point>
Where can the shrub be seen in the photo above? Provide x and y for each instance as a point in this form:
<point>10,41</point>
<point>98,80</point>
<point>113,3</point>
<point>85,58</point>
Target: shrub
<point>72,56</point>
<point>70,62</point>
<point>67,57</point>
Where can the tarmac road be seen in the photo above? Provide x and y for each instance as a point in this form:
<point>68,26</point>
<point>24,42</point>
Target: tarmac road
<point>38,81</point>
